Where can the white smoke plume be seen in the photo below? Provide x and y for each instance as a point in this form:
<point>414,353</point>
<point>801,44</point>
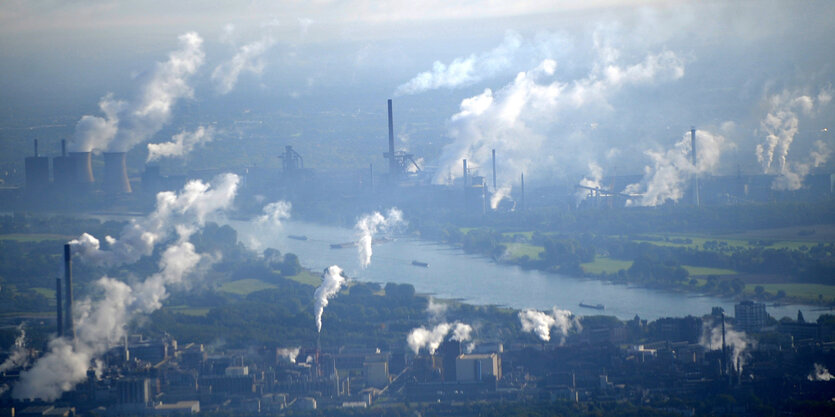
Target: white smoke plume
<point>19,355</point>
<point>591,181</point>
<point>332,282</point>
<point>431,339</point>
<point>289,353</point>
<point>672,170</point>
<point>780,127</point>
<point>541,323</point>
<point>531,121</point>
<point>464,71</point>
<point>737,342</point>
<point>275,213</point>
<point>126,124</point>
<point>181,144</point>
<point>436,311</point>
<point>101,323</point>
<point>499,195</point>
<point>820,373</point>
<point>793,174</point>
<point>188,209</point>
<point>371,224</point>
<point>248,58</point>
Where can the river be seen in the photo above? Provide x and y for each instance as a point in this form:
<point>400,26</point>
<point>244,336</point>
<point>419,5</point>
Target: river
<point>477,280</point>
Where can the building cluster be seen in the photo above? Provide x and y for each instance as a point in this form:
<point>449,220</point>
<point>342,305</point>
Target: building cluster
<point>609,360</point>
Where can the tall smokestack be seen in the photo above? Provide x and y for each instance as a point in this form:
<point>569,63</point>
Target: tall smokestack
<point>523,192</point>
<point>36,148</point>
<point>371,176</point>
<point>494,170</point>
<point>84,167</point>
<point>696,184</point>
<point>59,319</point>
<point>465,172</point>
<point>724,347</point>
<point>392,162</point>
<point>69,328</point>
<point>116,173</point>
<point>63,147</point>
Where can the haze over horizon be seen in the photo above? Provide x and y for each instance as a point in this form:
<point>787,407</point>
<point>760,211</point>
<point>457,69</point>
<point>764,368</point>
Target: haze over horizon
<point>621,82</point>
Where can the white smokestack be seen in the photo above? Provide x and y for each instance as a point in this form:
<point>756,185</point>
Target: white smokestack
<point>19,356</point>
<point>736,341</point>
<point>431,339</point>
<point>190,208</point>
<point>369,225</point>
<point>181,144</point>
<point>332,281</point>
<point>126,124</point>
<point>542,323</point>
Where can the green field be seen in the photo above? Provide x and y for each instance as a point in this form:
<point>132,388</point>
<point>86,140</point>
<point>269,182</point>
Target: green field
<point>603,264</point>
<point>245,286</point>
<point>307,277</point>
<point>46,292</point>
<point>34,237</point>
<point>698,242</point>
<point>518,250</point>
<point>810,291</point>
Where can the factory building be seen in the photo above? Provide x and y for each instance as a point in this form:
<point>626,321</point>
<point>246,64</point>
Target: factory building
<point>750,316</point>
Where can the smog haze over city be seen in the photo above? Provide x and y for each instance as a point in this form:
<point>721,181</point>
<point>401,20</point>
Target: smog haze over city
<point>420,208</point>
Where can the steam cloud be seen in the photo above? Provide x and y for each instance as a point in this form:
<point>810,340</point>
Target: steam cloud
<point>332,281</point>
<point>541,323</point>
<point>431,339</point>
<point>369,225</point>
<point>248,58</point>
<point>181,144</point>
<point>672,169</point>
<point>532,121</point>
<point>820,373</point>
<point>186,210</point>
<point>780,126</point>
<point>102,321</point>
<point>126,124</point>
<point>289,353</point>
<point>464,71</point>
<point>591,181</point>
<point>737,341</point>
<point>19,356</point>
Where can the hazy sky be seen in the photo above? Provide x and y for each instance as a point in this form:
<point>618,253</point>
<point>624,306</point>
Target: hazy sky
<point>627,75</point>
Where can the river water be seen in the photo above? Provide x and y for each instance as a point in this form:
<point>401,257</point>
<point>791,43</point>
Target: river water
<point>477,280</point>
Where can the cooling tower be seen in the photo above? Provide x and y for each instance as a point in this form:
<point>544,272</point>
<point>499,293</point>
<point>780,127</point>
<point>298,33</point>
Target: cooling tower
<point>37,171</point>
<point>116,173</point>
<point>83,162</point>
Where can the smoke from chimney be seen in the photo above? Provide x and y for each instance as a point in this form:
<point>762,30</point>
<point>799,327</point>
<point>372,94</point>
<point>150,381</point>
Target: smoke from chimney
<point>332,281</point>
<point>371,224</point>
<point>542,323</point>
<point>430,339</point>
